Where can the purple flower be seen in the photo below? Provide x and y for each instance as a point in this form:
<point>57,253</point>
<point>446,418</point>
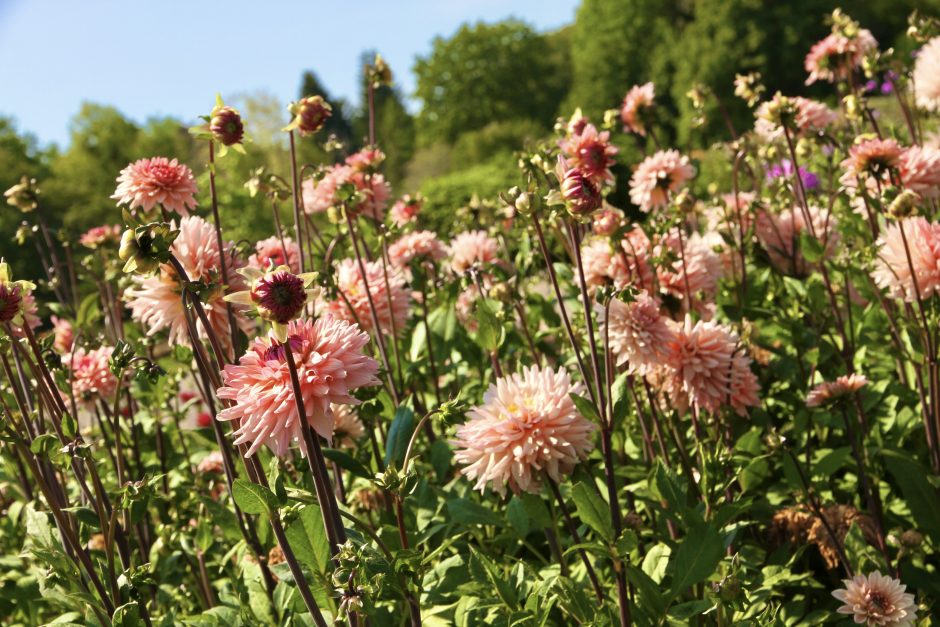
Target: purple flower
<point>871,86</point>
<point>785,169</point>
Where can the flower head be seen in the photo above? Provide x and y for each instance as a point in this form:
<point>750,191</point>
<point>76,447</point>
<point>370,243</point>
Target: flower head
<point>927,76</point>
<point>272,252</point>
<point>527,425</point>
<point>837,55</point>
<point>90,376</point>
<point>157,181</point>
<point>225,124</point>
<point>98,236</point>
<point>310,114</point>
<point>872,157</point>
<point>638,332</point>
<point>877,599</point>
<point>406,210</point>
<point>693,268</point>
<point>636,108</point>
<point>63,335</point>
<point>330,365</point>
<point>658,176</point>
<point>372,189</point>
<point>472,249</point>
<point>607,220</point>
<point>391,301</point>
<point>919,170</point>
<point>420,245</point>
<point>591,153</point>
<point>801,116</point>
<point>347,428</point>
<point>278,295</point>
<point>911,278</point>
<point>831,390</point>
<point>12,296</point>
<point>212,463</point>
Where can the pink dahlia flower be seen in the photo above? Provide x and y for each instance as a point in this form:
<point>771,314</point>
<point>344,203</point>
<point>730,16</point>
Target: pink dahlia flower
<point>405,211</point>
<point>527,425</point>
<point>391,302</point>
<point>638,332</point>
<point>658,176</point>
<point>810,117</point>
<point>836,56</point>
<point>213,463</point>
<point>472,248</point>
<point>779,234</point>
<point>420,245</point>
<point>927,76</point>
<point>623,266</point>
<point>693,268</point>
<point>708,369</point>
<point>373,191</point>
<point>920,170</point>
<point>330,365</point>
<point>877,599</point>
<point>270,253</point>
<point>366,160</point>
<point>347,428</point>
<point>831,390</point>
<point>156,301</point>
<point>636,108</point>
<point>100,235</point>
<point>871,157</point>
<point>591,153</point>
<point>63,335</point>
<point>607,220</point>
<point>919,276</point>
<point>90,376</point>
<point>157,181</point>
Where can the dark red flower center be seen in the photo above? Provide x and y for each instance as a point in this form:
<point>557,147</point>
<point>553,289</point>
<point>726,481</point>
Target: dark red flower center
<point>281,295</point>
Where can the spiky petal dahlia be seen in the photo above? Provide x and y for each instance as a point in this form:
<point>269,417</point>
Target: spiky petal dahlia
<point>694,267</point>
<point>636,108</point>
<point>472,248</point>
<point>659,175</point>
<point>920,170</point>
<point>591,153</point>
<point>330,365</point>
<point>708,369</point>
<point>270,253</point>
<point>347,428</point>
<point>527,425</point>
<point>391,301</point>
<point>420,245</point>
<point>638,332</point>
<point>157,181</point>
<point>927,76</point>
<point>877,599</point>
<point>406,210</point>
<point>779,234</point>
<point>831,390</point>
<point>90,376</point>
<point>911,278</point>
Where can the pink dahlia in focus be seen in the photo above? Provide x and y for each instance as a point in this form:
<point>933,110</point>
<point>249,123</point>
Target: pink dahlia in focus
<point>636,108</point>
<point>831,390</point>
<point>99,235</point>
<point>417,245</point>
<point>90,376</point>
<point>270,253</point>
<point>920,170</point>
<point>472,248</point>
<point>591,153</point>
<point>697,273</point>
<point>919,276</point>
<point>63,335</point>
<point>347,428</point>
<point>527,425</point>
<point>707,369</point>
<point>779,234</point>
<point>638,332</point>
<point>156,301</point>
<point>658,176</point>
<point>352,303</point>
<point>330,365</point>
<point>877,599</point>
<point>157,181</point>
<point>926,76</point>
<point>836,56</point>
<point>405,211</point>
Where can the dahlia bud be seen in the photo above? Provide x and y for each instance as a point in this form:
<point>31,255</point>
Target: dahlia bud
<point>11,295</point>
<point>904,205</point>
<point>582,197</point>
<point>379,72</point>
<point>912,538</point>
<point>780,111</point>
<point>310,114</point>
<point>278,296</point>
<point>226,125</point>
<point>685,202</point>
<point>607,221</point>
<point>144,248</point>
<point>24,195</point>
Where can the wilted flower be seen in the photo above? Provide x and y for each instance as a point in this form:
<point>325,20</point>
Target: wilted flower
<point>24,195</point>
<point>638,332</point>
<point>527,425</point>
<point>472,249</point>
<point>272,252</point>
<point>637,107</point>
<point>391,301</point>
<point>877,599</point>
<point>909,278</point>
<point>658,176</point>
<point>278,295</point>
<point>310,114</point>
<point>330,365</point>
<point>157,181</point>
<point>90,376</point>
<point>831,390</point>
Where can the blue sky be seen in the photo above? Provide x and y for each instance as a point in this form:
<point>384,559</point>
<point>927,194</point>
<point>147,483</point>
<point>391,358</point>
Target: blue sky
<point>170,57</point>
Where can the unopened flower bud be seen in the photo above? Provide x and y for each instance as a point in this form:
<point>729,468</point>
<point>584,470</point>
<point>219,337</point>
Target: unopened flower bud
<point>11,295</point>
<point>310,114</point>
<point>226,125</point>
<point>904,205</point>
<point>379,72</point>
<point>582,197</point>
<point>24,195</point>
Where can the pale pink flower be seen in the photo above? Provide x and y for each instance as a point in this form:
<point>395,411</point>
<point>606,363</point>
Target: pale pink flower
<point>405,211</point>
<point>591,153</point>
<point>831,390</point>
<point>29,314</point>
<point>466,302</point>
<point>607,220</point>
<point>692,267</point>
<point>100,235</point>
<point>156,301</point>
<point>330,364</point>
<point>877,600</point>
<point>639,334</point>
<point>658,176</point>
<point>157,181</point>
<point>708,369</point>
<point>926,77</point>
<point>213,463</point>
<point>352,303</point>
<point>90,377</point>
<point>527,425</point>
<point>627,265</point>
<point>365,160</point>
<point>270,253</point>
<point>779,233</point>
<point>319,196</point>
<point>347,428</point>
<point>420,245</point>
<point>636,107</point>
<point>810,117</point>
<point>920,170</point>
<point>731,218</point>
<point>63,335</point>
<point>871,157</point>
<point>472,248</point>
<point>895,272</point>
<point>836,56</point>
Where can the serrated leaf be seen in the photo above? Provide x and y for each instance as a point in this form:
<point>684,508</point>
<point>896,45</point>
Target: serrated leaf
<point>593,511</point>
<point>253,498</point>
<point>697,557</point>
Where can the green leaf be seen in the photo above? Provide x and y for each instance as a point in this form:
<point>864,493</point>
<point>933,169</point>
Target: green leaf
<point>593,510</point>
<point>399,434</point>
<point>128,615</point>
<point>308,538</point>
<point>44,445</point>
<point>811,247</point>
<point>697,557</point>
<point>490,332</point>
<point>585,407</point>
<point>518,517</point>
<point>920,496</point>
<point>253,498</point>
<point>620,397</point>
<point>467,512</point>
<point>347,462</point>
